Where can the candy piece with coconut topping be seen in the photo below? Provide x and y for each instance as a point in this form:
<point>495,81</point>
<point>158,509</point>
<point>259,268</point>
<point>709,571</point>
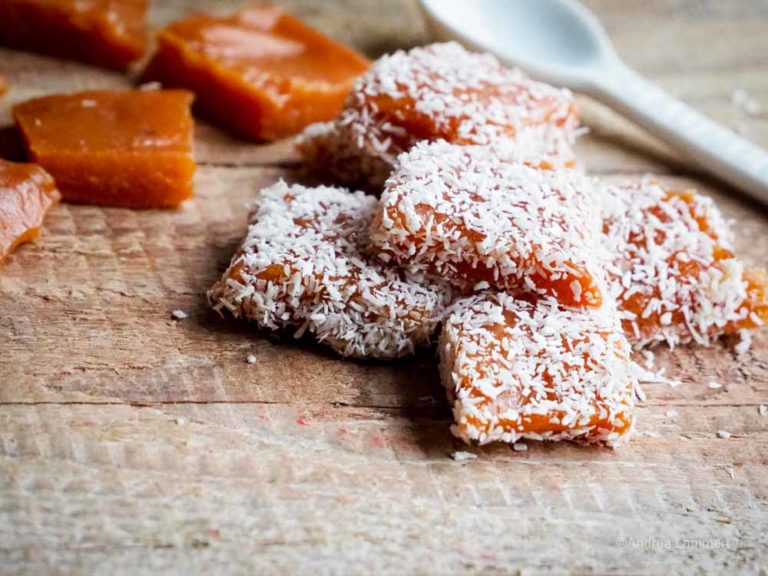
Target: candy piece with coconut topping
<point>437,92</point>
<point>458,213</point>
<point>517,368</point>
<point>304,264</point>
<point>674,274</point>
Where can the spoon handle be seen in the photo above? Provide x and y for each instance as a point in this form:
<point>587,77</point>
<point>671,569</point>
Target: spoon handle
<point>710,145</point>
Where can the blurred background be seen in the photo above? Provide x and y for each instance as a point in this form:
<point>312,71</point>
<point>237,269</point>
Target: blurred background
<point>711,54</point>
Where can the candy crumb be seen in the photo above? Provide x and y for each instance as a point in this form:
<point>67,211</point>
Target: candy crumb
<point>461,456</point>
<point>649,358</point>
<point>745,102</point>
<point>178,314</point>
<point>724,434</point>
<point>744,344</point>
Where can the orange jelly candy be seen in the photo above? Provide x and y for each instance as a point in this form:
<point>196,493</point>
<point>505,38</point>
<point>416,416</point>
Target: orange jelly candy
<point>530,369</point>
<point>3,86</point>
<point>107,33</point>
<point>124,148</point>
<point>460,213</point>
<point>27,192</point>
<point>674,274</point>
<point>261,73</point>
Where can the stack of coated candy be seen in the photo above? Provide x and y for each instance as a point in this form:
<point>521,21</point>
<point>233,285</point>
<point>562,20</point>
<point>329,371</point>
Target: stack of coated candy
<point>479,231</point>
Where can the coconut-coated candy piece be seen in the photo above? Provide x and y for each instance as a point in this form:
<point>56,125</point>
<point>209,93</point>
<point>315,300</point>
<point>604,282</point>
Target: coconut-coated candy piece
<point>459,213</point>
<point>673,272</point>
<point>440,91</point>
<point>531,369</point>
<point>304,264</point>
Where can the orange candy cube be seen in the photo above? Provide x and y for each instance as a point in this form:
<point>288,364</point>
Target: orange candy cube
<point>462,214</point>
<point>517,369</point>
<point>3,86</point>
<point>674,274</point>
<point>107,33</point>
<point>27,192</point>
<point>113,148</point>
<point>261,73</point>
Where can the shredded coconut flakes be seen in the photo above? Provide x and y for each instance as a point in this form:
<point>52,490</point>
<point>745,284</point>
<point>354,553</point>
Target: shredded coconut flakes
<point>461,456</point>
<point>746,103</point>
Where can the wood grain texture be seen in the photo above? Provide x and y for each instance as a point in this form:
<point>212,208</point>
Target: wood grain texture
<point>133,443</point>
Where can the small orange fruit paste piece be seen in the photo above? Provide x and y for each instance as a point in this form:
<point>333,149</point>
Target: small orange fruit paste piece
<point>435,92</point>
<point>304,265</point>
<point>27,192</point>
<point>113,148</point>
<point>261,73</point>
<point>459,213</point>
<point>107,33</point>
<point>518,368</point>
<point>674,274</point>
<point>3,86</point>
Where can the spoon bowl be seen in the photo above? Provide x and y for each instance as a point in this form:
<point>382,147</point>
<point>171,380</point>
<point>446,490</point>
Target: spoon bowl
<point>551,39</point>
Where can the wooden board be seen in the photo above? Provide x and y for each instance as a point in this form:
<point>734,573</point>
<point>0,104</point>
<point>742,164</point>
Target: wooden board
<point>131,443</point>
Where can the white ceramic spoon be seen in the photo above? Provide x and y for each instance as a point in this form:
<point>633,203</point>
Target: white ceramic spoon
<point>561,42</point>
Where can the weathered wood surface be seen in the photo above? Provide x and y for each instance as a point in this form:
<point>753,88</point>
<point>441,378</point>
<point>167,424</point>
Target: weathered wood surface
<point>132,443</point>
